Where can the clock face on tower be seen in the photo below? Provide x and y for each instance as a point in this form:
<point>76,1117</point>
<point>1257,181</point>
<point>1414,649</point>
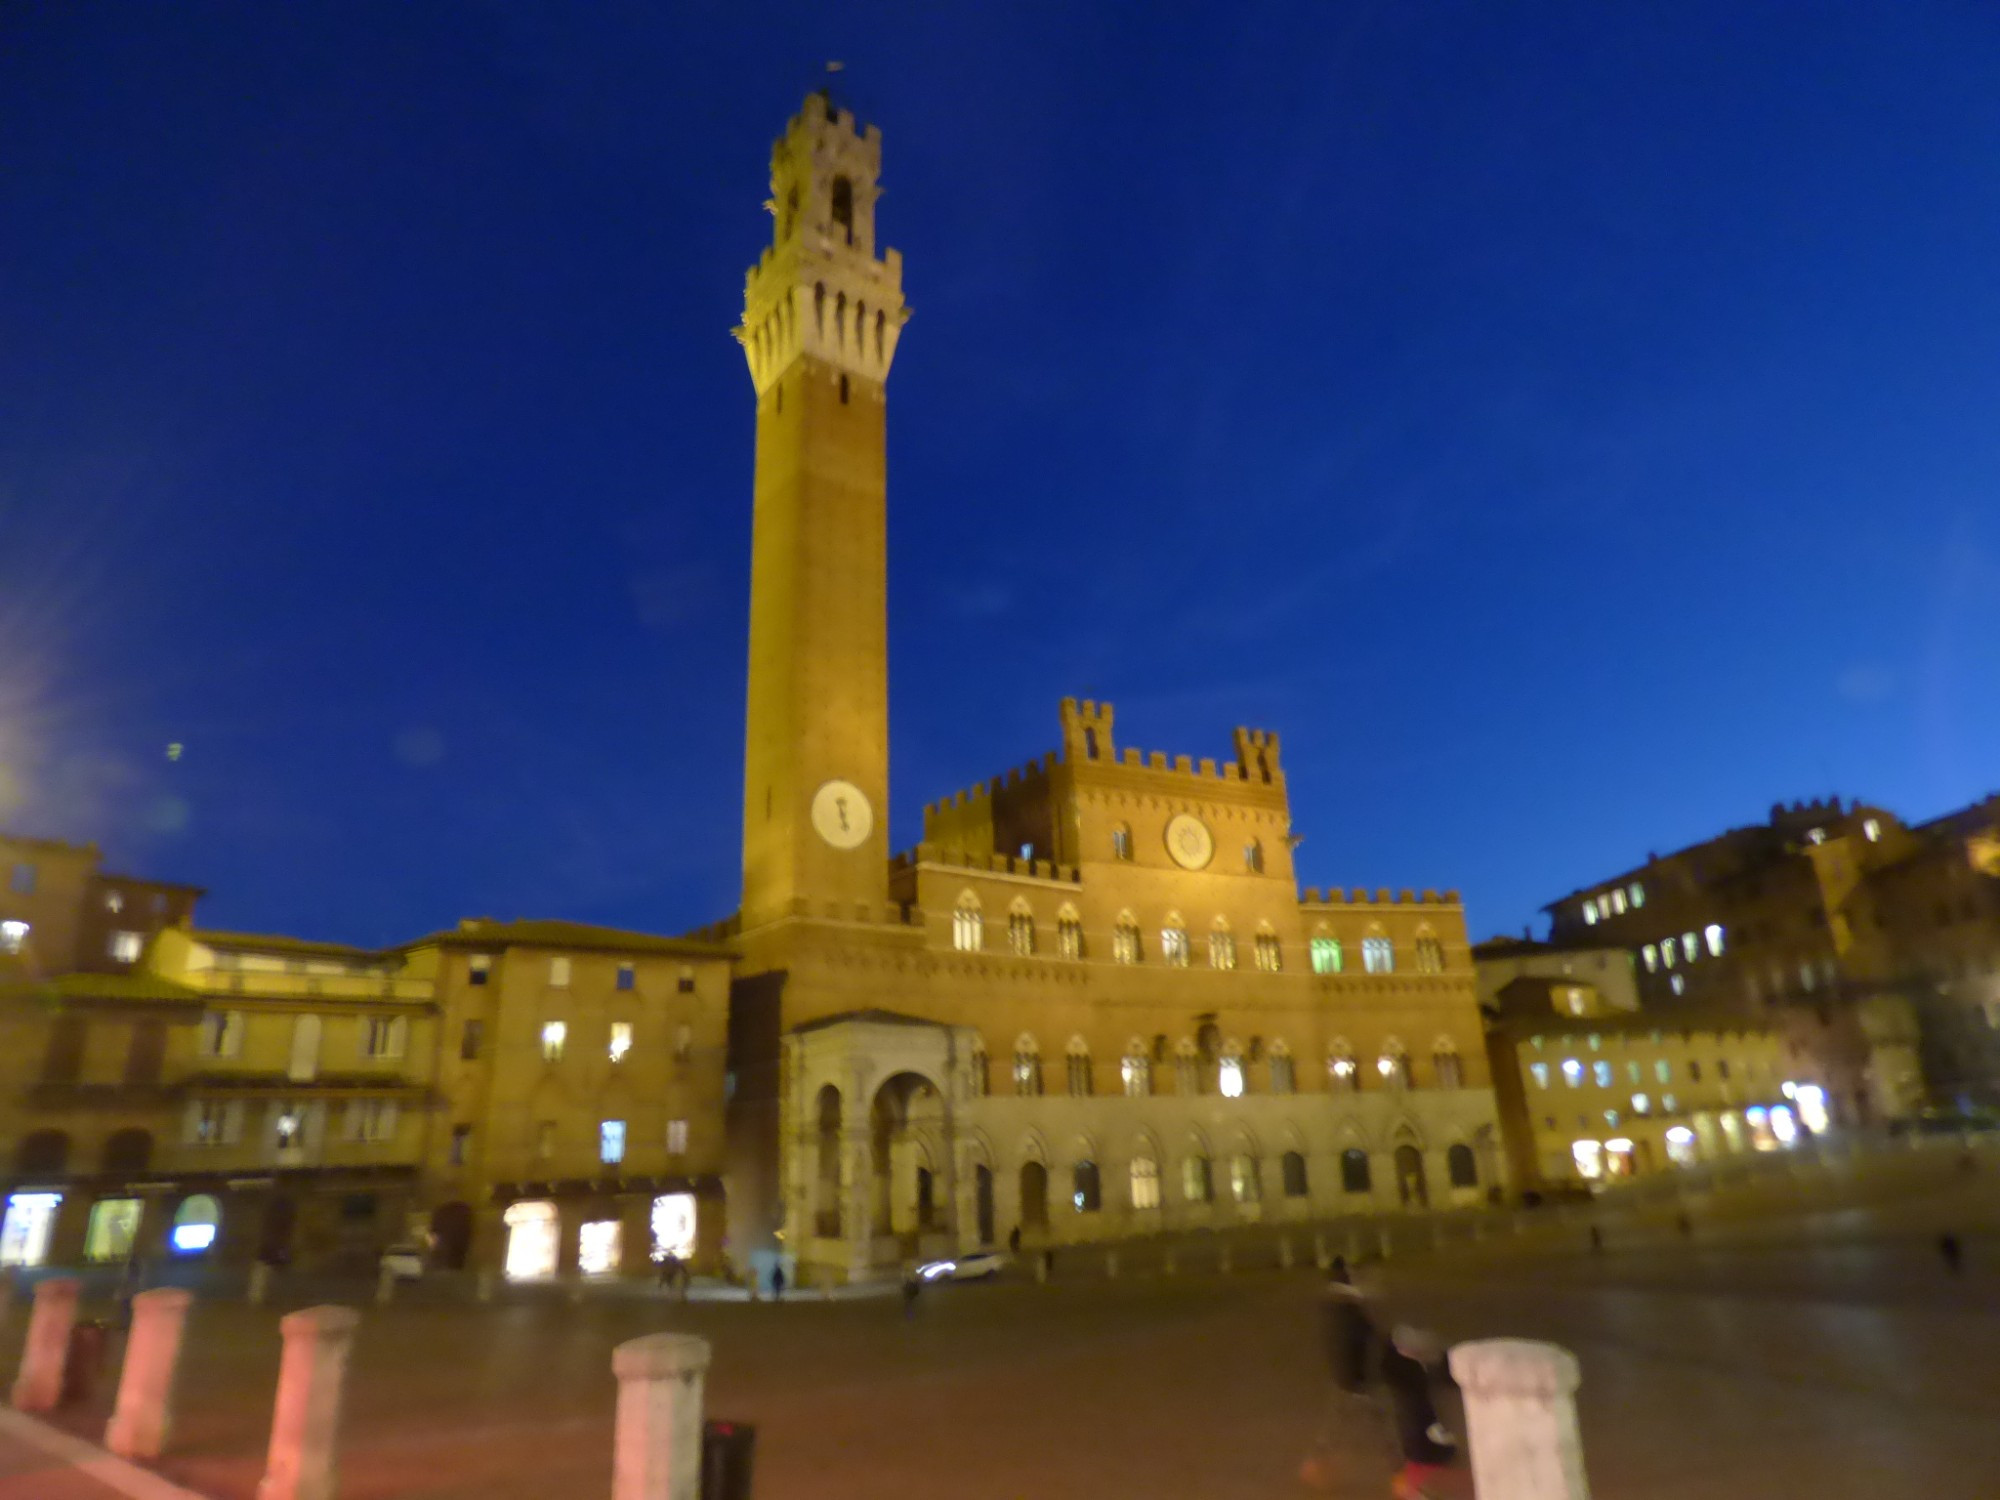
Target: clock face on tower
<point>841,815</point>
<point>1189,842</point>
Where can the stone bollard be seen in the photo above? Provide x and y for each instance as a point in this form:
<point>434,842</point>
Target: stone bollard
<point>260,1283</point>
<point>1285,1252</point>
<point>656,1452</point>
<point>1520,1419</point>
<point>486,1285</point>
<point>306,1417</point>
<point>1167,1263</point>
<point>145,1410</point>
<point>385,1287</point>
<point>1437,1235</point>
<point>1041,1269</point>
<point>1223,1263</point>
<point>1320,1256</point>
<point>1111,1264</point>
<point>45,1355</point>
<point>1384,1242</point>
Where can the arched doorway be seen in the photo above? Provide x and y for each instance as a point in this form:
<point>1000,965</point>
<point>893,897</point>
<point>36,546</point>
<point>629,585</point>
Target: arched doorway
<point>907,1108</point>
<point>451,1235</point>
<point>1034,1195</point>
<point>1410,1185</point>
<point>982,1200</point>
<point>826,1167</point>
<point>274,1235</point>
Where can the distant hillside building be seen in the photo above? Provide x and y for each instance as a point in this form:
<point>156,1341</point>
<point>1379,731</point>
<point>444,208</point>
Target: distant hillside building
<point>1875,943</point>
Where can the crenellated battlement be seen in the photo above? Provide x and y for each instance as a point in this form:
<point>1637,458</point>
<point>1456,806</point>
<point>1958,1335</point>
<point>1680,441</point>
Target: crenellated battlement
<point>819,288</point>
<point>1034,773</point>
<point>928,853</point>
<point>1334,896</point>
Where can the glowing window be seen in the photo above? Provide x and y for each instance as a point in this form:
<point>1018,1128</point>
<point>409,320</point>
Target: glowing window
<point>1618,902</point>
<point>1270,956</point>
<point>1229,1078</point>
<point>1539,1071</point>
<point>554,1034</point>
<point>196,1224</point>
<point>621,1040</point>
<point>1651,955</point>
<point>677,1137</point>
<point>1135,1072</point>
<point>1174,946</point>
<point>1378,955</point>
<point>673,1226</point>
<point>1600,1073</point>
<point>1325,954</point>
<point>1125,941</point>
<point>1589,1159</point>
<point>1871,829</point>
<point>1342,1071</point>
<point>1590,913</point>
<point>1637,893</point>
<point>1222,949</point>
<point>598,1247</point>
<point>1145,1182</point>
<point>1021,932</point>
<point>125,947</point>
<point>1069,936</point>
<point>1121,842</point>
<point>968,926</point>
<point>1712,935</point>
<point>611,1142</point>
<point>1430,956</point>
<point>1572,1072</point>
<point>13,936</point>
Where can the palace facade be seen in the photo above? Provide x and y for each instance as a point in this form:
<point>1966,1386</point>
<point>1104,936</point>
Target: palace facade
<point>1091,1002</point>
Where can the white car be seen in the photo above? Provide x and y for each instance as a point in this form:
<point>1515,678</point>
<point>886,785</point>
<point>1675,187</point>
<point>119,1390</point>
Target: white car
<point>404,1262</point>
<point>972,1267</point>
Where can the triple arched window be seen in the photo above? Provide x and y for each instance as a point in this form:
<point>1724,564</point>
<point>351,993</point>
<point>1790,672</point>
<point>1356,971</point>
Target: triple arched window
<point>1077,1061</point>
<point>1378,954</point>
<point>1270,955</point>
<point>1221,945</point>
<point>1027,1067</point>
<point>1430,955</point>
<point>1021,929</point>
<point>1394,1065</point>
<point>1187,1067</point>
<point>1135,1070</point>
<point>1174,942</point>
<point>968,925</point>
<point>1069,933</point>
<point>1343,1073</point>
<point>1284,1080</point>
<point>1447,1064</point>
<point>1125,939</point>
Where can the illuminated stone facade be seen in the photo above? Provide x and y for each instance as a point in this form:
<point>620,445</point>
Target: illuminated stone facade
<point>1091,1002</point>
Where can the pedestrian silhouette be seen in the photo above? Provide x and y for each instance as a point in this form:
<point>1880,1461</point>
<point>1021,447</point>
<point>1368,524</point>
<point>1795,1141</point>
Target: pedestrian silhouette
<point>912,1285</point>
<point>1953,1253</point>
<point>1014,1240</point>
<point>1596,1240</point>
<point>777,1283</point>
<point>1684,1226</point>
<point>1337,1274</point>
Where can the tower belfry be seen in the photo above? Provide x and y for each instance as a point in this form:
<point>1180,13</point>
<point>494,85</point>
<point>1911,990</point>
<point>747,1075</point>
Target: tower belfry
<point>822,312</point>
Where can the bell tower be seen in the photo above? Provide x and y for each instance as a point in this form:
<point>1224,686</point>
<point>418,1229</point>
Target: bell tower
<point>821,316</point>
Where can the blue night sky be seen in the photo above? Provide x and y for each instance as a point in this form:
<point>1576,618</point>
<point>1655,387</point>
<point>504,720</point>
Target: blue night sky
<point>1573,427</point>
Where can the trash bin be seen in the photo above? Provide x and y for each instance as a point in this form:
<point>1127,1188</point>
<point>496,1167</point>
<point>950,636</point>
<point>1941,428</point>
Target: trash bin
<point>727,1449</point>
<point>87,1342</point>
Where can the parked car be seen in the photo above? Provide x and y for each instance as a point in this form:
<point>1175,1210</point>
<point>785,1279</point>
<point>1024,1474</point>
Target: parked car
<point>971,1267</point>
<point>404,1262</point>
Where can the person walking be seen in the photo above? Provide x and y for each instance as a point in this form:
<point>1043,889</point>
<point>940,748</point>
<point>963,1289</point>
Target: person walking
<point>1014,1240</point>
<point>1353,1430</point>
<point>1952,1252</point>
<point>913,1286</point>
<point>778,1283</point>
<point>1596,1240</point>
<point>1409,1366</point>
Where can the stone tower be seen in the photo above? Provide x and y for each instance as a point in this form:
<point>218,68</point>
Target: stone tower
<point>821,315</point>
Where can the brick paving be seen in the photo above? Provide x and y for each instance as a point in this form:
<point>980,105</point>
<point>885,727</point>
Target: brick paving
<point>1770,1354</point>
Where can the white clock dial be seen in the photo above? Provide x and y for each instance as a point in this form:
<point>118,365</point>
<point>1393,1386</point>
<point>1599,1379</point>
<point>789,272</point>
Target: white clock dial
<point>1189,842</point>
<point>841,815</point>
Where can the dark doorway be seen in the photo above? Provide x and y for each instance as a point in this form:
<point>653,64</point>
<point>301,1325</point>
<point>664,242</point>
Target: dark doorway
<point>451,1235</point>
<point>982,1183</point>
<point>274,1235</point>
<point>1034,1195</point>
